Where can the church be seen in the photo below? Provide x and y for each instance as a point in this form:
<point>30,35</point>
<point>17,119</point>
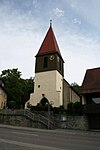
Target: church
<point>49,79</point>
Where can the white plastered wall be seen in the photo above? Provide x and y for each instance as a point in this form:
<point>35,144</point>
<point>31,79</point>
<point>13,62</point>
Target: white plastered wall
<point>49,83</point>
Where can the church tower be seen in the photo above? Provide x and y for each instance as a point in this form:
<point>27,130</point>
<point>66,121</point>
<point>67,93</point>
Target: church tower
<point>49,72</point>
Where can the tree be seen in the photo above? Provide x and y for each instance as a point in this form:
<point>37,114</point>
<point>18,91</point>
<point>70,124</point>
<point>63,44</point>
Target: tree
<point>18,89</point>
<point>76,87</point>
<point>27,88</point>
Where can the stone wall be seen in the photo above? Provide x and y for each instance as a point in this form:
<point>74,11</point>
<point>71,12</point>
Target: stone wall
<point>20,120</point>
<point>60,122</point>
<point>71,122</point>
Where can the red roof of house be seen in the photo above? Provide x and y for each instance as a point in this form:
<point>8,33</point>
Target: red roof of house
<point>49,44</point>
<point>91,82</point>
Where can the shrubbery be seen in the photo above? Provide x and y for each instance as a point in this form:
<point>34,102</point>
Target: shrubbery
<point>74,108</point>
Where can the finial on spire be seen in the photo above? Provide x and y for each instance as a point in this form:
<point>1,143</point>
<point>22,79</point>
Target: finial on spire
<point>50,22</point>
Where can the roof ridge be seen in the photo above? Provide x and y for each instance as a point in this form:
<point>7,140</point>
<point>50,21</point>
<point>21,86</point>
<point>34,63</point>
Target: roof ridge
<point>93,68</point>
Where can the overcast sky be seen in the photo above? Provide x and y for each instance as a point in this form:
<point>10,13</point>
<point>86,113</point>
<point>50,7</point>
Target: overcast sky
<point>76,24</point>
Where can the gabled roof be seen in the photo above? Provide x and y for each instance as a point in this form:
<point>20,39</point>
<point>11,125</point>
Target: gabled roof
<point>49,44</point>
<point>91,82</point>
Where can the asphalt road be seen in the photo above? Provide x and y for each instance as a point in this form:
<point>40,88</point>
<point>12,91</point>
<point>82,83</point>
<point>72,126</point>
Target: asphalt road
<point>16,138</point>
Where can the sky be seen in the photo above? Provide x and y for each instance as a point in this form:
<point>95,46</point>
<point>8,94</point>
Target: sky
<point>76,25</point>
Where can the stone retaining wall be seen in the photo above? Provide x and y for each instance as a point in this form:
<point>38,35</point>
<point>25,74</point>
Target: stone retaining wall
<point>20,120</point>
<point>60,121</point>
<point>72,122</point>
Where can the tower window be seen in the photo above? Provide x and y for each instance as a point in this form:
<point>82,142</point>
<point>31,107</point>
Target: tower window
<point>45,65</point>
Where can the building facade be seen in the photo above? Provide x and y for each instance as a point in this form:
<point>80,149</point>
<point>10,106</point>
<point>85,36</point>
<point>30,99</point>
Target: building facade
<point>90,92</point>
<point>69,94</point>
<point>3,96</point>
<point>49,74</point>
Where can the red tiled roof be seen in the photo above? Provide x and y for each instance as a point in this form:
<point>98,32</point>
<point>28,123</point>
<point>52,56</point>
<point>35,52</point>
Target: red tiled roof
<point>91,82</point>
<point>49,44</point>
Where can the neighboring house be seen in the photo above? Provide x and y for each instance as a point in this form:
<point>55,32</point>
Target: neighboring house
<point>90,92</point>
<point>3,96</point>
<point>49,75</point>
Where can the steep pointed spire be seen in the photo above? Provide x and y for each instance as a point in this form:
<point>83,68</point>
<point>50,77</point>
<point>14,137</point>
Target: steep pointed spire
<point>49,44</point>
<point>50,22</point>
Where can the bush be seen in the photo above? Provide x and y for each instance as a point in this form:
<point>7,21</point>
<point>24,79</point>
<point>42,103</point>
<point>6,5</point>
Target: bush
<point>61,109</point>
<point>77,108</point>
<point>69,108</point>
<point>74,108</point>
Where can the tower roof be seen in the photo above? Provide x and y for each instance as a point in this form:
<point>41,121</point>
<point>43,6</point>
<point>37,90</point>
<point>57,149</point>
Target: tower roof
<point>49,44</point>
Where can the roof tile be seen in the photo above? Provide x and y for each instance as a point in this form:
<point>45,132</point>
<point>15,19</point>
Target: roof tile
<point>49,44</point>
<point>91,82</point>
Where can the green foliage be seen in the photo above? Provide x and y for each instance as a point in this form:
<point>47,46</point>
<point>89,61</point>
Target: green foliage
<point>76,87</point>
<point>74,108</point>
<point>27,88</point>
<point>69,108</point>
<point>18,89</point>
<point>61,109</point>
<point>12,104</point>
<point>77,108</point>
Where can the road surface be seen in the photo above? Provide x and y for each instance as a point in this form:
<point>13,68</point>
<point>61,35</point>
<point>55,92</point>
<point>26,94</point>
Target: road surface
<point>17,138</point>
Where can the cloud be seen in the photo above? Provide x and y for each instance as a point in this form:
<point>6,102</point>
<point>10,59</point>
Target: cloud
<point>35,3</point>
<point>18,51</point>
<point>73,4</point>
<point>80,52</point>
<point>22,31</point>
<point>89,11</point>
<point>16,22</point>
<point>58,12</point>
<point>76,21</point>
